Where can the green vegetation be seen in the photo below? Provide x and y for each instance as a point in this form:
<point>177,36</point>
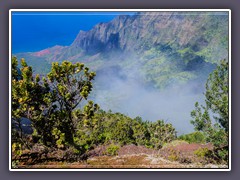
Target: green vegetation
<point>187,47</point>
<point>51,105</point>
<point>52,98</point>
<point>195,137</point>
<point>201,152</point>
<point>117,128</point>
<point>213,118</point>
<point>174,155</point>
<point>112,149</point>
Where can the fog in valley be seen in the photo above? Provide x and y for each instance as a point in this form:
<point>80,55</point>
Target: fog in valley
<point>121,91</point>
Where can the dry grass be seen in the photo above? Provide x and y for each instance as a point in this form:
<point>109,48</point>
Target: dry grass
<point>127,161</point>
<point>175,155</point>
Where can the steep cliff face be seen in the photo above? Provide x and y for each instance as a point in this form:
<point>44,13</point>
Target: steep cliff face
<point>143,31</point>
<point>164,45</point>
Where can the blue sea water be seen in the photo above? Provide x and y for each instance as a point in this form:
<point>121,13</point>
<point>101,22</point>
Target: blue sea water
<point>34,31</point>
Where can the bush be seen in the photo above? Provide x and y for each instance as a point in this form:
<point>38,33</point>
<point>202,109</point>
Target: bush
<point>195,137</point>
<point>112,150</point>
<point>201,152</point>
<point>219,156</point>
<point>50,102</point>
<point>174,155</point>
<point>17,149</point>
<point>15,164</point>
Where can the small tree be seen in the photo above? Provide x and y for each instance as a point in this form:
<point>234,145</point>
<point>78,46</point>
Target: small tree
<point>71,83</point>
<point>50,103</point>
<point>140,129</point>
<point>30,99</point>
<point>216,108</point>
<point>161,133</point>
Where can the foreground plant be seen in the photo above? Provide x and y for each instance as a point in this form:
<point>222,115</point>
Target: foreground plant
<point>213,117</point>
<point>49,103</point>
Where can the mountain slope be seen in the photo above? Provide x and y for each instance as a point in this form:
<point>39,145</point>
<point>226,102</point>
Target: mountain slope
<point>165,47</point>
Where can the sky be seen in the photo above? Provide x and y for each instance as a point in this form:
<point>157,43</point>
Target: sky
<point>34,31</point>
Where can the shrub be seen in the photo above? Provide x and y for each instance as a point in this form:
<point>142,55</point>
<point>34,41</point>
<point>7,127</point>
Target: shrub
<point>17,149</point>
<point>195,137</point>
<point>50,102</point>
<point>15,164</point>
<point>201,152</point>
<point>112,150</point>
<point>174,155</point>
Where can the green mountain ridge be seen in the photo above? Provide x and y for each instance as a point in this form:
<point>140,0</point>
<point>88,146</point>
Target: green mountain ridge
<point>165,47</point>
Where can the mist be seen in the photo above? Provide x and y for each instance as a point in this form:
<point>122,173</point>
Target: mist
<point>120,91</point>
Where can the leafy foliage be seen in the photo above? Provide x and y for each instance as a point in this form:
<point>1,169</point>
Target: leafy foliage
<point>49,103</point>
<point>71,83</point>
<point>30,100</point>
<point>112,128</point>
<point>161,133</point>
<point>195,137</point>
<point>201,152</point>
<point>216,108</point>
<point>112,149</point>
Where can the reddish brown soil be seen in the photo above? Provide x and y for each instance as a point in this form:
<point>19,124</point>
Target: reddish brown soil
<point>133,149</point>
<point>191,147</point>
<point>132,156</point>
<point>184,153</point>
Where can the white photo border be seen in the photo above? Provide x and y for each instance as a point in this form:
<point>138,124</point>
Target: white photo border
<point>118,10</point>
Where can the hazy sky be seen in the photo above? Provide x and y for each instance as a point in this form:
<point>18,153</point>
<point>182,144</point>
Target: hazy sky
<point>34,31</point>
